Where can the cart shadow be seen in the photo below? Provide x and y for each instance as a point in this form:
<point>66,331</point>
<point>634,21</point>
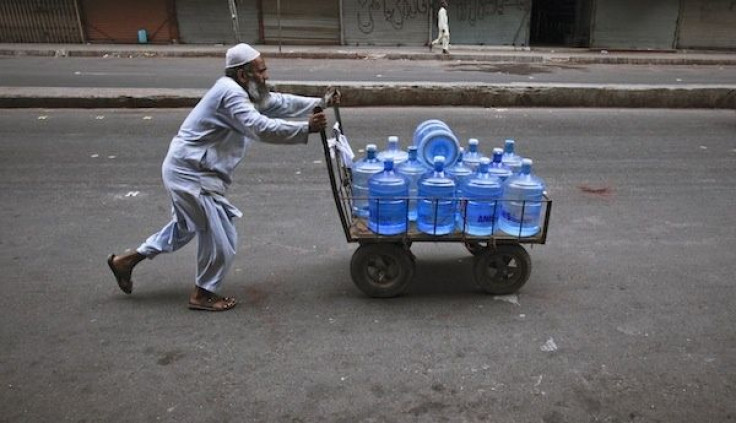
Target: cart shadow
<point>443,276</point>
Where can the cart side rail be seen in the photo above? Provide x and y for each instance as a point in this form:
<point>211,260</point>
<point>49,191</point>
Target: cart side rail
<point>339,175</point>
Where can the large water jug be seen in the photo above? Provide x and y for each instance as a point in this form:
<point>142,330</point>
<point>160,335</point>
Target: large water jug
<point>473,155</point>
<point>436,203</point>
<point>521,205</point>
<point>363,169</point>
<point>460,173</point>
<point>393,151</point>
<point>388,201</point>
<point>482,190</point>
<point>412,169</point>
<point>497,168</point>
<point>434,138</point>
<point>510,158</point>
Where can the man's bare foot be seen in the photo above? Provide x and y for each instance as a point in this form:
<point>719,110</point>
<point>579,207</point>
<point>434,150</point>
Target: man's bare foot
<point>122,267</point>
<point>201,299</point>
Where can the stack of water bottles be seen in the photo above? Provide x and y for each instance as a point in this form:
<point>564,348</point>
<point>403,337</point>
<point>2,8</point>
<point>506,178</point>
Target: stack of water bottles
<point>443,188</point>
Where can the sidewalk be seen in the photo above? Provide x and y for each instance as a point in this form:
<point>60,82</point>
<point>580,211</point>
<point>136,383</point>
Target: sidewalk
<point>397,94</point>
<point>459,52</point>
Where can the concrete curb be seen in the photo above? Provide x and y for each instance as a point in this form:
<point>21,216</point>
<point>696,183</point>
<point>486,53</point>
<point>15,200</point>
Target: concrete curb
<point>489,56</point>
<point>415,95</point>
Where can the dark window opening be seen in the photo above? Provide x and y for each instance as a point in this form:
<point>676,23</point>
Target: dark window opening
<point>560,23</point>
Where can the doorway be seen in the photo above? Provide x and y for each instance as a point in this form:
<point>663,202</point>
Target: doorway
<point>563,23</point>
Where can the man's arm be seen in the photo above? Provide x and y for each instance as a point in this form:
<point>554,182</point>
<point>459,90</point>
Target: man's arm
<point>258,126</point>
<point>289,106</point>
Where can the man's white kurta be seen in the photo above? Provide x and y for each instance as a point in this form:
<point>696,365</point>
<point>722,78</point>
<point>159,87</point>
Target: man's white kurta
<point>442,23</point>
<point>443,27</point>
<point>199,166</point>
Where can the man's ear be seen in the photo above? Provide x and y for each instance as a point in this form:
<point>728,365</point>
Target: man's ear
<point>242,75</point>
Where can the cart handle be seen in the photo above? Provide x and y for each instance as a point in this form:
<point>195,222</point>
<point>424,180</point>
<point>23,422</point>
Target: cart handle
<point>330,92</point>
<point>333,180</point>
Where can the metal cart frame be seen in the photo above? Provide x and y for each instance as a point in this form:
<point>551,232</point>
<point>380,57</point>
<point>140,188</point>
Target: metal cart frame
<point>383,265</point>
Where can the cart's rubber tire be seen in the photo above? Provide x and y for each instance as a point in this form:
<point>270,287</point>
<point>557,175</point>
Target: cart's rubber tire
<point>474,248</point>
<point>382,270</point>
<point>504,270</point>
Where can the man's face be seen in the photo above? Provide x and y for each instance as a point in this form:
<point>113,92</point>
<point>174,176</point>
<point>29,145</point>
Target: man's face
<point>254,82</point>
<point>259,71</point>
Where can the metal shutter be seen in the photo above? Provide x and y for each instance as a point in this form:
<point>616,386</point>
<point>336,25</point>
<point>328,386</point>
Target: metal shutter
<point>708,24</point>
<point>370,22</point>
<point>302,22</point>
<point>208,22</point>
<point>249,21</point>
<point>496,23</point>
<point>204,21</point>
<point>39,21</point>
<point>634,24</point>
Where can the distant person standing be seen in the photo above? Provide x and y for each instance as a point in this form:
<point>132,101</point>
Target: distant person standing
<point>443,28</point>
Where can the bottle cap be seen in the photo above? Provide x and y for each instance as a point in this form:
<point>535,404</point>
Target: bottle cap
<point>526,166</point>
<point>509,146</point>
<point>497,155</point>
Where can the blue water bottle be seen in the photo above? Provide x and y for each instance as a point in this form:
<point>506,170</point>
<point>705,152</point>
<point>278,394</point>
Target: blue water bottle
<point>388,201</point>
<point>412,169</point>
<point>497,167</point>
<point>521,204</point>
<point>482,190</point>
<point>363,169</point>
<point>460,172</point>
<point>472,156</point>
<point>510,158</point>
<point>393,151</point>
<point>434,138</point>
<point>436,204</point>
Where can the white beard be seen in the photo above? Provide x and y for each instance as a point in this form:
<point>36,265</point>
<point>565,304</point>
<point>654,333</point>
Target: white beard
<point>258,93</point>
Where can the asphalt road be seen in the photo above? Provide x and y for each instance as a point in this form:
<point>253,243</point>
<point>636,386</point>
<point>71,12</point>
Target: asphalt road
<point>628,315</point>
<point>138,72</point>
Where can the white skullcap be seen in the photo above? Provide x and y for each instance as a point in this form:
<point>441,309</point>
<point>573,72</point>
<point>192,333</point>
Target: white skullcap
<point>240,55</point>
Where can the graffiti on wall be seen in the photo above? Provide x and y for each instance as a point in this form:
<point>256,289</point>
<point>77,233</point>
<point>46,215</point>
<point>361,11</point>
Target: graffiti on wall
<point>472,11</point>
<point>394,12</point>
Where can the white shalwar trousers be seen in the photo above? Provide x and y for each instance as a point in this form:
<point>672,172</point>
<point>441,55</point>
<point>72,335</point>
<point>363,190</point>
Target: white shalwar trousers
<point>444,40</point>
<point>211,221</point>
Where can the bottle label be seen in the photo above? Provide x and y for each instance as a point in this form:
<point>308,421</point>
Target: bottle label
<point>484,218</point>
<point>513,212</point>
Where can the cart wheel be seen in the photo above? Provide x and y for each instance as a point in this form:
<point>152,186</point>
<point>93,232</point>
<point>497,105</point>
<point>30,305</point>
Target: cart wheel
<point>382,270</point>
<point>475,248</point>
<point>504,270</point>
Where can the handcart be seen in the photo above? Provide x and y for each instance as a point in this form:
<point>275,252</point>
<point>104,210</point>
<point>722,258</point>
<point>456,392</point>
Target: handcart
<point>383,265</point>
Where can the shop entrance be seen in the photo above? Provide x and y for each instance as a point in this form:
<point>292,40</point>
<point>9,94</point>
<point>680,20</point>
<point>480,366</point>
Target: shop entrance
<point>560,23</point>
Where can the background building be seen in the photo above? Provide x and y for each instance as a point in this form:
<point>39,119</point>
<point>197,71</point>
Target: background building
<point>599,24</point>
